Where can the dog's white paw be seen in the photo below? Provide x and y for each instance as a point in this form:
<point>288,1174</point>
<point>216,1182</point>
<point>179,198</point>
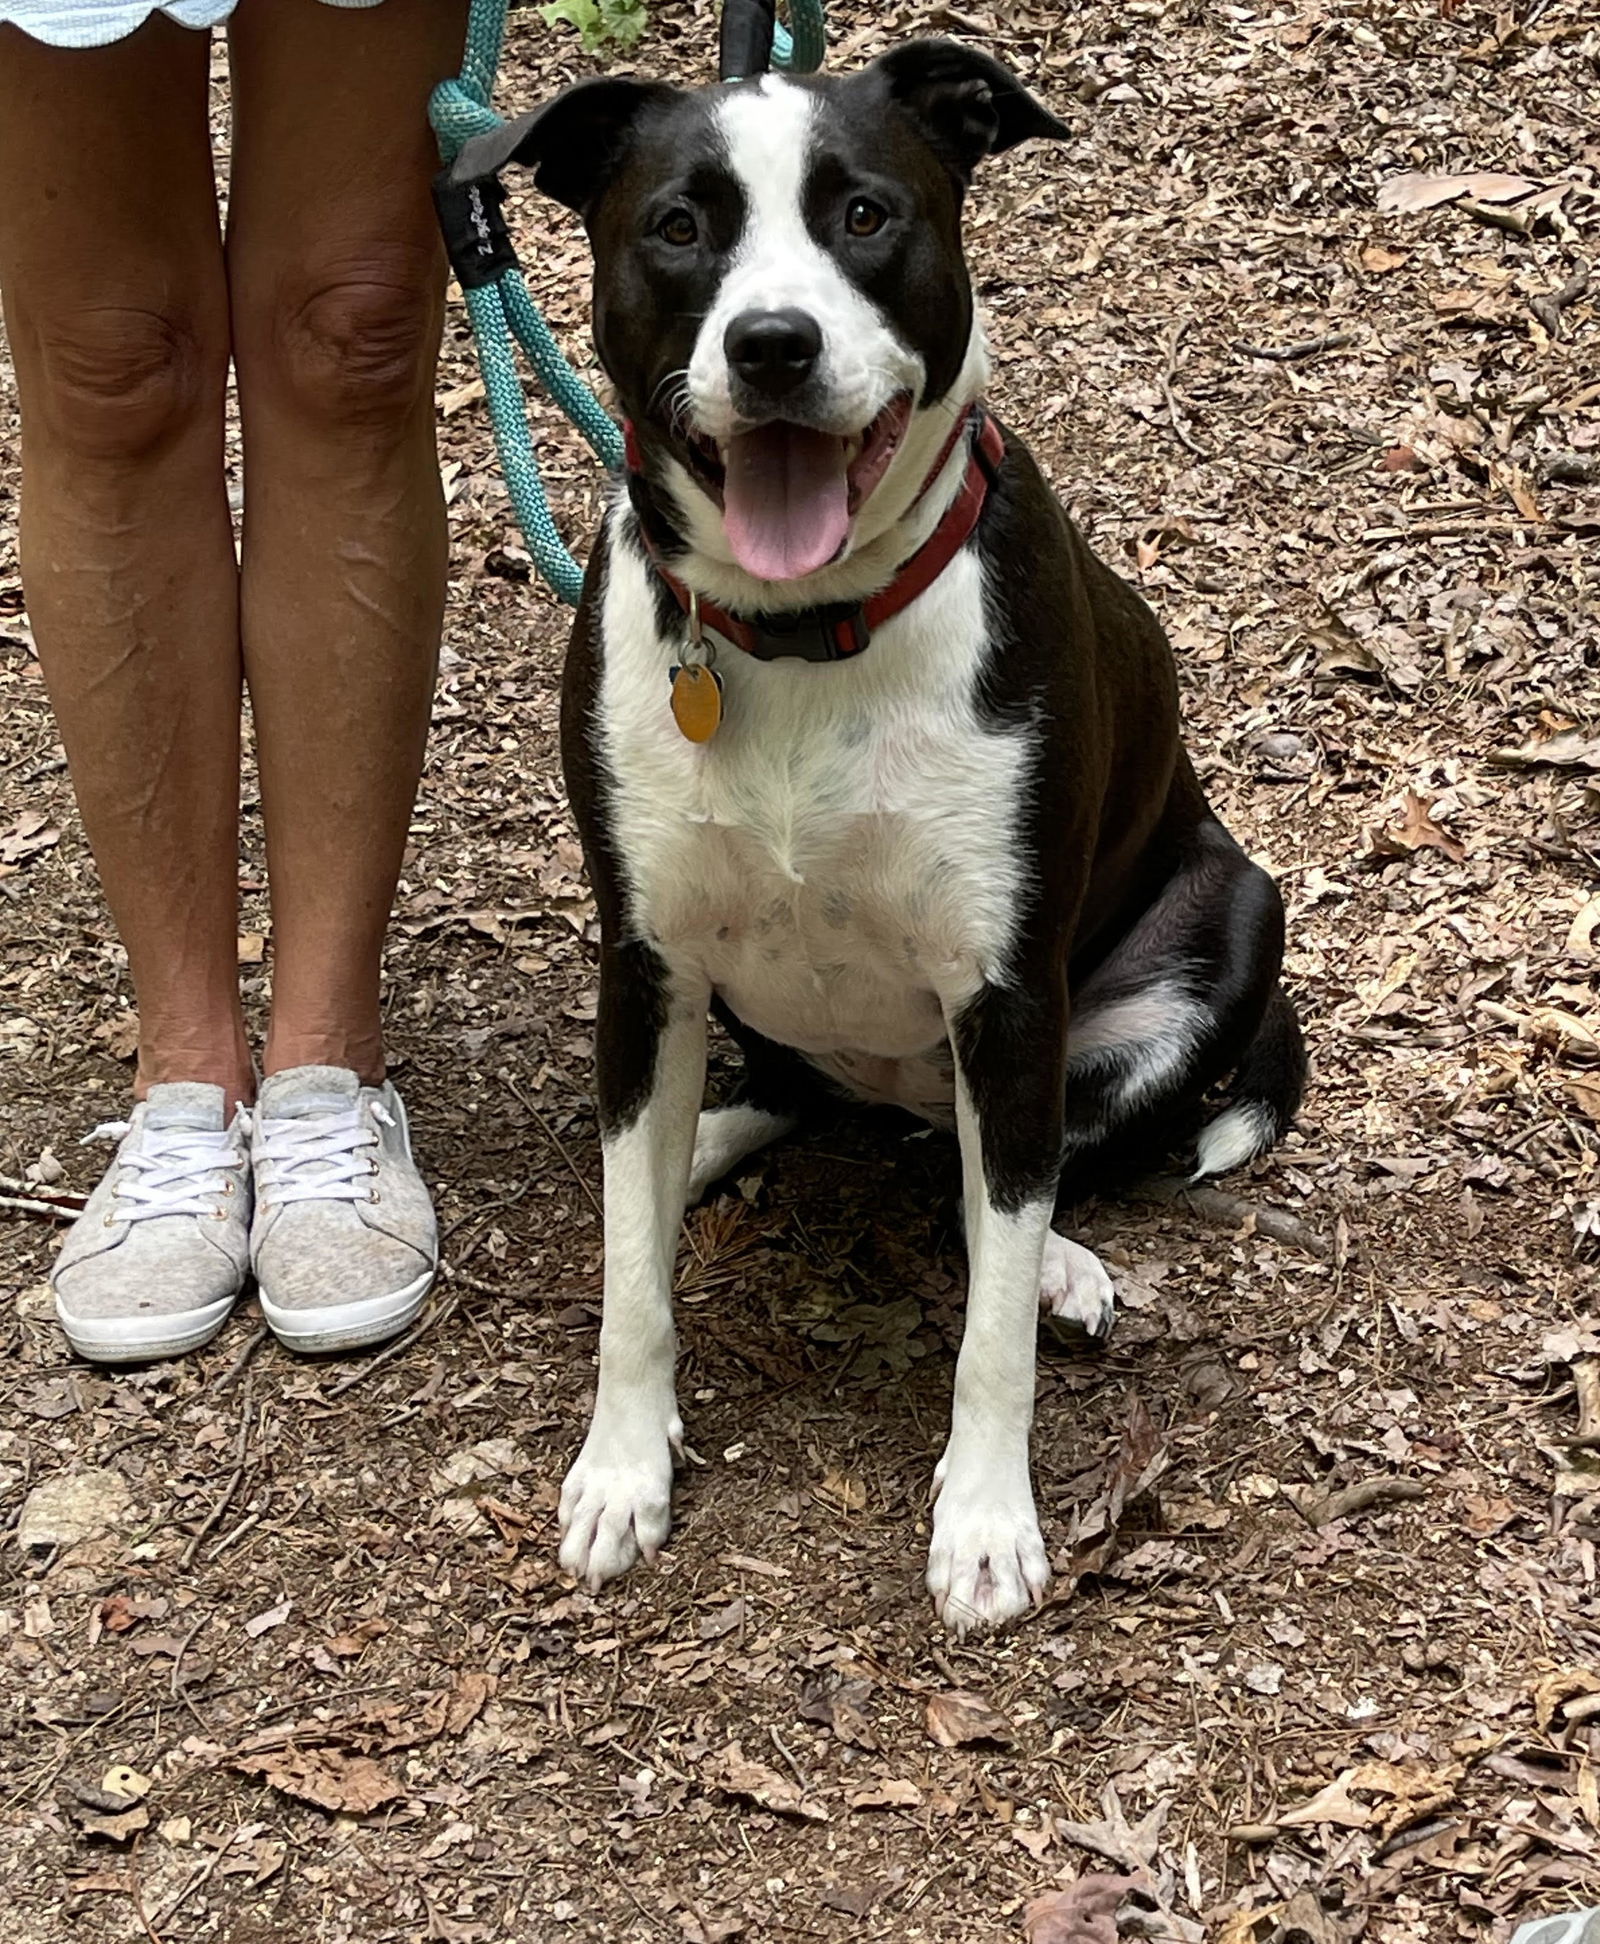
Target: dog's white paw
<point>724,1136</point>
<point>616,1502</point>
<point>1074,1287</point>
<point>987,1563</point>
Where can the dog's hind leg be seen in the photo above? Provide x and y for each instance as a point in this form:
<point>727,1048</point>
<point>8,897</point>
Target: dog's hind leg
<point>1074,1288</point>
<point>777,1091</point>
<point>726,1135</point>
<point>1267,1085</point>
<point>1187,995</point>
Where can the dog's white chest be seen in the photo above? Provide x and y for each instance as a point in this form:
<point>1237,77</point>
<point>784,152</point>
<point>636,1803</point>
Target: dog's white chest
<point>838,862</point>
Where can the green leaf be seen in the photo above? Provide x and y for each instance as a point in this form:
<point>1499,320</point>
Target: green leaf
<point>599,22</point>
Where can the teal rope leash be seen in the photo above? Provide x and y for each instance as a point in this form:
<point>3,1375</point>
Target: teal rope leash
<point>501,309</point>
<point>800,46</point>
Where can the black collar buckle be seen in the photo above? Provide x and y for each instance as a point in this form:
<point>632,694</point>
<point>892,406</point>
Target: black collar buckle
<point>819,634</point>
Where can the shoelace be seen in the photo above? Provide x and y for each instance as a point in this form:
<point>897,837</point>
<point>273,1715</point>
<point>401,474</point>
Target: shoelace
<point>171,1170</point>
<point>320,1158</point>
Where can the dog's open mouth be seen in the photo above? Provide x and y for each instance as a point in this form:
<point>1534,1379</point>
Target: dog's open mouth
<point>788,492</point>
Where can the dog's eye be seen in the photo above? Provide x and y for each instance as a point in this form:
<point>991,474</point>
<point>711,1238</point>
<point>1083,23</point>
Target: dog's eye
<point>678,227</point>
<point>864,218</point>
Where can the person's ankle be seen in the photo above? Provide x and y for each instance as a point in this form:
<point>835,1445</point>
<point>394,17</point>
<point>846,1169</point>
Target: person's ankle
<point>227,1066</point>
<point>359,1054</point>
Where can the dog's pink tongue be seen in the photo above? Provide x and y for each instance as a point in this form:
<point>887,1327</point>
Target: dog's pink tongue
<point>785,499</point>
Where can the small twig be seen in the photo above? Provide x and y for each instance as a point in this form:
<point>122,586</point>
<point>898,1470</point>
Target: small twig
<point>212,1520</point>
<point>1184,436</point>
<point>1418,1832</point>
<point>484,1209</point>
<point>252,1344</point>
<point>436,1315</point>
<point>136,1895</point>
<point>560,1146</point>
<point>39,1191</point>
<point>1361,1498</point>
<point>41,1210</point>
<point>183,1647</point>
<point>1549,305</point>
<point>1301,348</point>
<point>200,1877</point>
<point>795,1769</point>
<point>232,1538</point>
<point>1226,1211</point>
<point>214,1516</point>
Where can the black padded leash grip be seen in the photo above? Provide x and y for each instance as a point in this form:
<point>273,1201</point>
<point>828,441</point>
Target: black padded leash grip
<point>475,233</point>
<point>747,30</point>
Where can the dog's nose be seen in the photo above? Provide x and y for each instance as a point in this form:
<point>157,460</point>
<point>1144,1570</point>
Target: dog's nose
<point>773,351</point>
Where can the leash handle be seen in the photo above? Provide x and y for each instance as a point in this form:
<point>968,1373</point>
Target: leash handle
<point>753,39</point>
<point>745,46</point>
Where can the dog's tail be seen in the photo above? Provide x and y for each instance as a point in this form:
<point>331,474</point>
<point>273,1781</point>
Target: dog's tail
<point>1266,1090</point>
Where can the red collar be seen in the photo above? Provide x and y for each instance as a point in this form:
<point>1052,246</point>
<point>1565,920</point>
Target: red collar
<point>843,629</point>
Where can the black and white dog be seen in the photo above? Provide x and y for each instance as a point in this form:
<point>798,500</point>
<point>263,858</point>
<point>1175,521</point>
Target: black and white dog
<point>870,756</point>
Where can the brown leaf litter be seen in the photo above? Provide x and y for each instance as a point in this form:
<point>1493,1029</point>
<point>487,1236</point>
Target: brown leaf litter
<point>1213,338</point>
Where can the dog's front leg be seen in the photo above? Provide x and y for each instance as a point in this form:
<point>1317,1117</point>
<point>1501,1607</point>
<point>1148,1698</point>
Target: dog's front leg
<point>987,1562</point>
<point>650,1053</point>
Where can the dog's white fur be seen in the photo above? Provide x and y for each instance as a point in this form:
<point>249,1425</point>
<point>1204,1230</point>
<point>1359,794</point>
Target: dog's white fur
<point>840,863</point>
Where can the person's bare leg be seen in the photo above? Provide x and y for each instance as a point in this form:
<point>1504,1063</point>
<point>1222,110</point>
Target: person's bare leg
<point>336,278</point>
<point>116,308</point>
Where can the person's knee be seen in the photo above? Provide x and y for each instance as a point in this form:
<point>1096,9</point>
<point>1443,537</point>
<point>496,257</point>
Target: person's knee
<point>358,348</point>
<point>115,383</point>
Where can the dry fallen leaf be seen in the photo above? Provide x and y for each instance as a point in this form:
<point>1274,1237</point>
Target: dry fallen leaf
<point>119,1828</point>
<point>736,1775</point>
<point>274,1616</point>
<point>1132,1845</point>
<point>350,1785</point>
<point>841,1707</point>
<point>346,1646</point>
<point>1568,750</point>
<point>1333,1805</point>
<point>1412,192</point>
<point>452,401</point>
<point>892,1793</point>
<point>1084,1913</point>
<point>1418,831</point>
<point>840,1491</point>
<point>958,1717</point>
<point>1141,1459</point>
<point>1549,1694</point>
<point>1301,1920</point>
<point>1336,1805</point>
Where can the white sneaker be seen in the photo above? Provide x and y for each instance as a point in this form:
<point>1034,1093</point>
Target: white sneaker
<point>156,1260</point>
<point>344,1243</point>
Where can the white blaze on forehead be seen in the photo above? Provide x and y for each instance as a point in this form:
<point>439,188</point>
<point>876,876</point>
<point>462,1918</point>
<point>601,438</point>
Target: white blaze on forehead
<point>777,264</point>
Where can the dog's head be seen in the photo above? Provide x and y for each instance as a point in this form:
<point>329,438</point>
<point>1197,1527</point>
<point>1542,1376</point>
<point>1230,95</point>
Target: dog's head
<point>780,294</point>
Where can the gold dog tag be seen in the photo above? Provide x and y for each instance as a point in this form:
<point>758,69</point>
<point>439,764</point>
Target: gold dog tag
<point>697,701</point>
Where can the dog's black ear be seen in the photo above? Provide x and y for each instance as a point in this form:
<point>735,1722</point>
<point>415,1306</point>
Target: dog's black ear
<point>965,102</point>
<point>572,143</point>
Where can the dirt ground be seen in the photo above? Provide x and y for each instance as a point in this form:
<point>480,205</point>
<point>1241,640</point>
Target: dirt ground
<point>1326,1622</point>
